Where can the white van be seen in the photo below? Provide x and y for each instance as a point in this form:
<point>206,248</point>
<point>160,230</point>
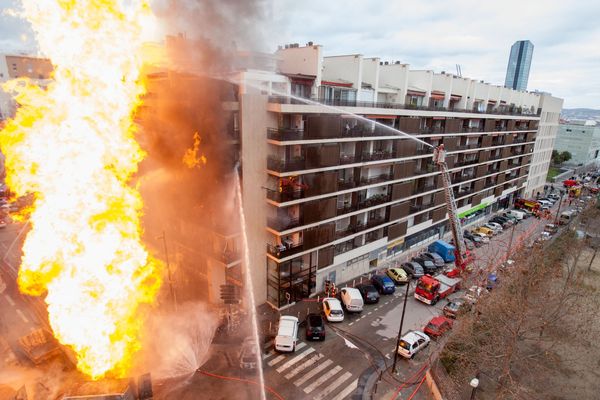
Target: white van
<point>565,218</point>
<point>352,299</point>
<point>287,334</point>
<point>519,215</point>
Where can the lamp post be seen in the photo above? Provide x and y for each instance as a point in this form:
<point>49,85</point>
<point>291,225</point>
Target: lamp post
<point>562,193</point>
<point>400,328</point>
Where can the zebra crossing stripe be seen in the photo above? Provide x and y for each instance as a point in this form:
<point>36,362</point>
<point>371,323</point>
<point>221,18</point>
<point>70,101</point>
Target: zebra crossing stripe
<point>333,386</point>
<point>269,354</point>
<point>322,379</point>
<point>313,372</point>
<point>295,360</point>
<point>346,392</point>
<point>277,359</point>
<point>304,365</point>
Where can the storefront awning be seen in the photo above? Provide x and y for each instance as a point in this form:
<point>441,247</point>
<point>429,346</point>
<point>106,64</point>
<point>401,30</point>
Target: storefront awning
<point>455,97</point>
<point>337,83</point>
<point>492,101</point>
<point>415,91</point>
<point>437,95</point>
<point>473,210</point>
<point>381,116</point>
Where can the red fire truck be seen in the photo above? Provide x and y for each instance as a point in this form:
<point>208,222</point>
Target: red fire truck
<point>430,289</point>
<point>530,205</point>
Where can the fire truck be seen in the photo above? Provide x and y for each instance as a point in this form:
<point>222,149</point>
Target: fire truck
<point>430,289</point>
<point>530,205</point>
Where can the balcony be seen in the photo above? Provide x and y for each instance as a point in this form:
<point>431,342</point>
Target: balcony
<point>375,179</point>
<point>356,103</point>
<point>376,156</point>
<point>496,156</point>
<point>498,142</point>
<point>373,236</point>
<point>431,129</point>
<point>374,200</point>
<point>346,184</point>
<point>358,227</point>
<point>282,197</point>
<point>425,169</point>
<point>421,206</point>
<point>348,159</point>
<point>280,165</point>
<point>283,251</point>
<point>285,134</point>
<point>281,224</point>
<point>462,163</point>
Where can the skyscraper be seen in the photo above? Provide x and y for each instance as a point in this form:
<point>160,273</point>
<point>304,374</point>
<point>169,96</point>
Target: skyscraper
<point>517,72</point>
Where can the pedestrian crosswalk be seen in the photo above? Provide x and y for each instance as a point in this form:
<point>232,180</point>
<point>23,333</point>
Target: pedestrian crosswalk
<point>312,373</point>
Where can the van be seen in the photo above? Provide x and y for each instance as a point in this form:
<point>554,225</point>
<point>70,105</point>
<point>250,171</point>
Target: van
<point>565,218</point>
<point>287,334</point>
<point>445,250</point>
<point>352,299</point>
<point>518,214</point>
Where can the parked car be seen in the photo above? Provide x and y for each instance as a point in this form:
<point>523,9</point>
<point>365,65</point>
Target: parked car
<point>398,275</point>
<point>315,327</point>
<point>352,299</point>
<point>427,265</point>
<point>510,217</point>
<point>453,308</point>
<point>475,239</point>
<point>469,244</point>
<point>519,214</point>
<point>437,326</point>
<point>369,294</point>
<point>412,342</point>
<point>504,222</point>
<point>332,308</point>
<point>486,231</point>
<point>248,354</point>
<point>383,284</point>
<point>435,258</point>
<point>413,269</point>
<point>551,228</point>
<point>287,334</point>
<point>495,226</point>
<point>484,238</point>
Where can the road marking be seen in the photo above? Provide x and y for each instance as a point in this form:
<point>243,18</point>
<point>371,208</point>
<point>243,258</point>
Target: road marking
<point>370,312</point>
<point>22,316</point>
<point>333,386</point>
<point>351,323</point>
<point>377,308</point>
<point>299,368</point>
<point>269,343</point>
<point>277,359</point>
<point>322,379</point>
<point>349,389</point>
<point>269,354</point>
<point>295,360</point>
<point>312,373</point>
<point>386,303</point>
<point>388,356</point>
<point>362,317</point>
<point>9,299</point>
<point>282,356</point>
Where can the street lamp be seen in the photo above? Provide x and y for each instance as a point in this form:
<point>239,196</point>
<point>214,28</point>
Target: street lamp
<point>474,384</point>
<point>400,329</point>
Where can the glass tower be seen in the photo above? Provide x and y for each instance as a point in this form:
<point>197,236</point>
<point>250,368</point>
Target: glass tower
<point>517,72</point>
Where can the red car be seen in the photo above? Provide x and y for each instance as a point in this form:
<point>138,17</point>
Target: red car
<point>438,326</point>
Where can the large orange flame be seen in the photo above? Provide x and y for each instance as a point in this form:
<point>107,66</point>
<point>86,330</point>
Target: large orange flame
<point>72,145</point>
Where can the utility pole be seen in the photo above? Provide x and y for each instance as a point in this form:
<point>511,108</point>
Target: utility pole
<point>400,329</point>
<point>512,234</point>
<point>562,193</point>
<point>173,298</point>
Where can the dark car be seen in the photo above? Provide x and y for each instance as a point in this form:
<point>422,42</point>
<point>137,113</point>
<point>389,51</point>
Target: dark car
<point>510,217</point>
<point>315,327</point>
<point>427,265</point>
<point>505,222</point>
<point>383,284</point>
<point>469,244</point>
<point>369,294</point>
<point>413,269</point>
<point>475,239</point>
<point>453,308</point>
<point>435,258</point>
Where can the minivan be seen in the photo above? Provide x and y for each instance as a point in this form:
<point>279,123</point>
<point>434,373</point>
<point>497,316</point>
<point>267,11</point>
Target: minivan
<point>518,214</point>
<point>352,299</point>
<point>565,217</point>
<point>287,334</point>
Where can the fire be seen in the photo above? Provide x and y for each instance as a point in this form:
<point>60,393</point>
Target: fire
<point>190,157</point>
<point>72,145</point>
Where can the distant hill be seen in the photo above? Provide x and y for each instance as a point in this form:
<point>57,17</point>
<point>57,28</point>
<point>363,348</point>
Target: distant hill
<point>580,113</point>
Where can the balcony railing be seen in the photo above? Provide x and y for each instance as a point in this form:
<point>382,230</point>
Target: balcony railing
<point>462,163</point>
<point>356,103</point>
<point>279,165</point>
<point>374,200</point>
<point>282,224</point>
<point>375,179</point>
<point>282,251</point>
<point>282,197</point>
<point>377,155</point>
<point>283,134</point>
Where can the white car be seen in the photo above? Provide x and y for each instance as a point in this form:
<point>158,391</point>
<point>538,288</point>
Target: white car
<point>332,308</point>
<point>412,342</point>
<point>484,238</point>
<point>495,227</point>
<point>545,203</point>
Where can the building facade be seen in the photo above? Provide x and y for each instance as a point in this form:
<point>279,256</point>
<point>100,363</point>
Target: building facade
<point>581,139</point>
<point>346,186</point>
<point>519,63</point>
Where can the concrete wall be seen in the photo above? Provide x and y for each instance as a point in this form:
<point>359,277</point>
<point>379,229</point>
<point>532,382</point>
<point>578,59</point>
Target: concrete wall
<point>253,130</point>
<point>345,68</point>
<point>582,141</point>
<point>544,143</point>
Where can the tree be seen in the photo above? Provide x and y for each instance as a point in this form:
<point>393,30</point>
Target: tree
<point>555,157</point>
<point>565,156</point>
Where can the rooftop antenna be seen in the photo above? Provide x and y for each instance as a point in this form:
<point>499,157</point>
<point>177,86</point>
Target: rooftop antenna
<point>458,70</point>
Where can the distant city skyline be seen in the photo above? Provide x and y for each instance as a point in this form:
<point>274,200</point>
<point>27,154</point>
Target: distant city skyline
<point>519,65</point>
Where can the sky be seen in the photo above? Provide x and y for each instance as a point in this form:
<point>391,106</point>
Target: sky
<point>431,34</point>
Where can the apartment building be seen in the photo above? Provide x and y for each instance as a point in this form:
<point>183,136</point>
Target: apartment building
<point>333,192</point>
<point>38,70</point>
